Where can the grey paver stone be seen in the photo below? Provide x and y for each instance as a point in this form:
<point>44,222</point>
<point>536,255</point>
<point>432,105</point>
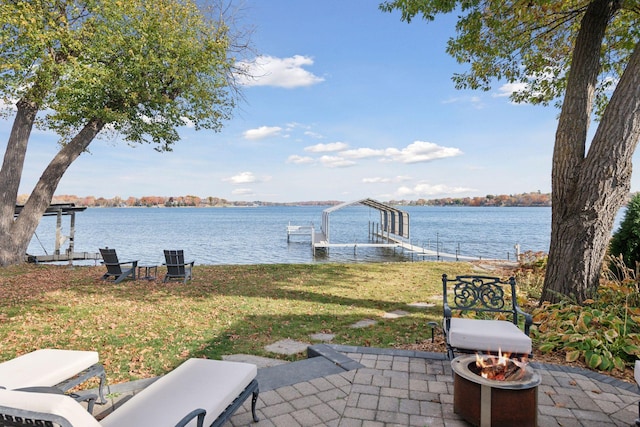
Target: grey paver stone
<point>325,412</point>
<point>363,323</point>
<point>421,304</point>
<point>395,392</point>
<point>289,393</point>
<point>338,405</point>
<point>272,411</point>
<point>391,417</point>
<point>583,415</point>
<point>363,377</point>
<point>555,411</point>
<point>306,418</point>
<point>422,421</point>
<point>400,382</point>
<point>305,402</point>
<point>431,409</point>
<point>332,394</point>
<point>381,381</point>
<point>409,406</point>
<point>306,388</point>
<point>350,422</point>
<point>389,404</point>
<point>383,364</point>
<point>549,421</point>
<point>368,401</point>
<point>269,398</point>
<point>285,420</point>
<point>395,314</point>
<point>321,384</point>
<point>359,413</point>
<point>438,387</point>
<point>367,389</point>
<point>287,347</point>
<point>322,337</point>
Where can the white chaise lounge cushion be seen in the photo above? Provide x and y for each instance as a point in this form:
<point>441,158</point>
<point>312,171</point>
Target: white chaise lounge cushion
<point>198,383</point>
<point>488,335</point>
<point>45,367</point>
<point>56,404</point>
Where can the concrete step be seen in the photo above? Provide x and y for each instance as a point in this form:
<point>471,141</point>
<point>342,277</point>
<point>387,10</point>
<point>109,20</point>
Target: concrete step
<point>296,372</point>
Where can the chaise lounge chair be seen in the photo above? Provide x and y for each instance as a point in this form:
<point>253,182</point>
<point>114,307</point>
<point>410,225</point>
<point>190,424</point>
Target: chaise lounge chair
<point>199,392</point>
<point>115,267</point>
<point>176,267</point>
<point>61,369</point>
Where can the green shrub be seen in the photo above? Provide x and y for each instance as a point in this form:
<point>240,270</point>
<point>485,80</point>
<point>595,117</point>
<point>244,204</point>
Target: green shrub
<point>604,333</point>
<point>625,241</point>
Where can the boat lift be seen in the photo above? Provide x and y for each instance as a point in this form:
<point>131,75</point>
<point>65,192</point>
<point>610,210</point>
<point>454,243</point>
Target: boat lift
<point>59,210</point>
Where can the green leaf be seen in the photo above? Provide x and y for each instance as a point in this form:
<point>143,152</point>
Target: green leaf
<point>618,363</point>
<point>547,347</point>
<point>572,356</point>
<point>593,360</point>
<point>611,335</point>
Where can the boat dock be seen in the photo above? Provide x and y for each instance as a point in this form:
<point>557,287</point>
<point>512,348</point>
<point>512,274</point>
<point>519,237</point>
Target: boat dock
<point>59,210</point>
<point>391,232</point>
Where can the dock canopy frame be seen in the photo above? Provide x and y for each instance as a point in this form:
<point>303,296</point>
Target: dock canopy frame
<point>59,210</point>
<point>392,220</point>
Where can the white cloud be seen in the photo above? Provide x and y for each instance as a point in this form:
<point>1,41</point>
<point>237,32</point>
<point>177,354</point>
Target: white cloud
<point>381,180</point>
<point>421,151</point>
<point>188,122</point>
<point>509,89</point>
<point>242,178</point>
<point>326,148</point>
<point>300,160</point>
<point>429,190</point>
<point>242,192</point>
<point>313,135</point>
<point>362,153</point>
<point>376,180</point>
<point>262,132</point>
<point>289,73</point>
<point>418,151</point>
<point>336,162</point>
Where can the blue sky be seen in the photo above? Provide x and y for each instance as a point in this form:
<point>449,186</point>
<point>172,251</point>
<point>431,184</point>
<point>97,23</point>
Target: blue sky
<point>350,102</point>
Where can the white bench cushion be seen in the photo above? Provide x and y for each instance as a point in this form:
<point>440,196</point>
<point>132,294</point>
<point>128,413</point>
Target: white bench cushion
<point>56,404</point>
<point>198,383</point>
<point>488,335</point>
<point>45,367</point>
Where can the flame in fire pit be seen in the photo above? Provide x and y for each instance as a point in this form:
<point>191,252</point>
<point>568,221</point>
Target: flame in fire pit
<point>501,367</point>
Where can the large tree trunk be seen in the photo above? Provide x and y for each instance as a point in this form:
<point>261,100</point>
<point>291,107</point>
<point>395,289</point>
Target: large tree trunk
<point>10,177</point>
<point>18,234</point>
<point>589,190</point>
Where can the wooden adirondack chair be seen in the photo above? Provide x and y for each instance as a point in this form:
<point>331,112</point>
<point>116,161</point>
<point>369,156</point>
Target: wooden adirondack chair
<point>177,268</point>
<point>119,270</point>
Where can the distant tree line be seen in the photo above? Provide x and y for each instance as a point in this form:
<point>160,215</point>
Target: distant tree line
<point>521,200</point>
<point>168,202</point>
<point>525,199</point>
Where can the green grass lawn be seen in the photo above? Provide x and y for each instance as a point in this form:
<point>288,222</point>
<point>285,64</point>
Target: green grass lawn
<point>146,328</point>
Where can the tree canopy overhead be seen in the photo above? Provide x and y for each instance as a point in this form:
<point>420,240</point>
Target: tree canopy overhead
<point>142,67</point>
<point>528,42</point>
<point>585,56</point>
<point>81,68</point>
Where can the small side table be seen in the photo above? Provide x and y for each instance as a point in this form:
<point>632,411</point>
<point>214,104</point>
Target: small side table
<point>150,271</point>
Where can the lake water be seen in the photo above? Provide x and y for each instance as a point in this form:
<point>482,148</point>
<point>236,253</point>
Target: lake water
<point>258,235</point>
